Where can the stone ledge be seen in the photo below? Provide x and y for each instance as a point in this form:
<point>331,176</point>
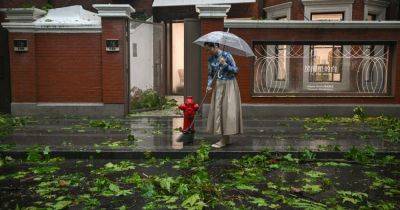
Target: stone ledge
<point>176,154</point>
<point>114,10</point>
<point>24,15</point>
<point>212,11</point>
<point>326,2</point>
<point>230,23</point>
<point>61,109</point>
<point>309,110</point>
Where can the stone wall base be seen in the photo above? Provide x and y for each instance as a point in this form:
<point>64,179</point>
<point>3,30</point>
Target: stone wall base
<point>63,109</point>
<point>309,110</point>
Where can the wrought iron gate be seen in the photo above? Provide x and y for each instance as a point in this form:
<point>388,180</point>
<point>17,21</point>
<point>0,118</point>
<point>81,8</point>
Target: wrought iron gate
<point>356,70</point>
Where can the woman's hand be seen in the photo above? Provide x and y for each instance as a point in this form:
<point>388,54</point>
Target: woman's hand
<point>209,88</point>
<point>222,61</point>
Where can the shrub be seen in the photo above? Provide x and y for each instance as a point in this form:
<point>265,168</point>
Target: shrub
<point>359,113</point>
<point>9,123</point>
<point>386,127</point>
<point>149,99</point>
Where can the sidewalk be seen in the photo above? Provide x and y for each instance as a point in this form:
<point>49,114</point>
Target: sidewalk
<point>134,137</point>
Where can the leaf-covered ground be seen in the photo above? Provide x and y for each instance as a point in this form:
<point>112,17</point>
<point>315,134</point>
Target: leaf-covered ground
<point>362,181</point>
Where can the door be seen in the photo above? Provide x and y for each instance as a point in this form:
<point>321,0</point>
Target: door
<point>5,84</point>
<point>147,56</point>
<point>159,58</point>
<point>178,58</point>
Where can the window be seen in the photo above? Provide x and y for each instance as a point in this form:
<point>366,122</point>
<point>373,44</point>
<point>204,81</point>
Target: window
<point>279,11</point>
<point>375,10</point>
<point>280,70</point>
<point>371,17</point>
<point>325,63</point>
<point>322,69</point>
<point>282,18</point>
<point>328,10</point>
<point>280,52</point>
<point>369,54</point>
<point>335,16</point>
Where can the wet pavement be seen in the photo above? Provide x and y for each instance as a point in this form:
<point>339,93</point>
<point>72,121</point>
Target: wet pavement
<point>160,135</point>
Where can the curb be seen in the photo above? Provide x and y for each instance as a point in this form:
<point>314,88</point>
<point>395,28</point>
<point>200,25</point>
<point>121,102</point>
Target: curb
<point>179,154</point>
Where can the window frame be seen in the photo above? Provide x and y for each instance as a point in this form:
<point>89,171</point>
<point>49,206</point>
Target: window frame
<point>311,62</point>
<point>313,6</point>
<point>391,74</point>
<point>323,13</point>
<point>280,10</point>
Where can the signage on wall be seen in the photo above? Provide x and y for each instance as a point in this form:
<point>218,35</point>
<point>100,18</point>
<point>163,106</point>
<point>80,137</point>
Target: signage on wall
<point>20,45</point>
<point>112,45</point>
<point>320,68</point>
<point>320,87</point>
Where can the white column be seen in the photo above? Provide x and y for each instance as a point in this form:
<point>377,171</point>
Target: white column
<point>21,19</point>
<point>212,10</point>
<point>114,10</point>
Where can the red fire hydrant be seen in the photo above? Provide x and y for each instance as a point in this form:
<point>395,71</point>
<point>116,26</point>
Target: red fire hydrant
<point>189,109</point>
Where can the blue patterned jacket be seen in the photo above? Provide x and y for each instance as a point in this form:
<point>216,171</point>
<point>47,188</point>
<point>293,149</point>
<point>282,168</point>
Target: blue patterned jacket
<point>227,72</point>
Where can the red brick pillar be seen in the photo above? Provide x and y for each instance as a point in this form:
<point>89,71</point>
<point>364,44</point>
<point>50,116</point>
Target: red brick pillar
<point>115,62</point>
<point>22,61</point>
<point>211,19</point>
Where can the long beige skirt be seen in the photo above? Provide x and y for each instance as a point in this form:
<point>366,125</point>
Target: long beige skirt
<point>225,114</point>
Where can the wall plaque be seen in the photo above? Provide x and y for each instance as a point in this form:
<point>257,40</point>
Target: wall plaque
<point>112,45</point>
<point>20,45</point>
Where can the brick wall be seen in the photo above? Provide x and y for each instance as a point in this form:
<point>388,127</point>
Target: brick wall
<point>393,12</point>
<point>68,68</point>
<point>244,11</point>
<point>23,70</point>
<point>141,6</point>
<point>72,67</point>
<point>114,87</point>
<point>56,68</point>
<point>358,10</point>
<point>23,3</point>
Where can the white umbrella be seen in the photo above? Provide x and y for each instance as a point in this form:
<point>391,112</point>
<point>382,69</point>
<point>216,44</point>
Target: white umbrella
<point>228,42</point>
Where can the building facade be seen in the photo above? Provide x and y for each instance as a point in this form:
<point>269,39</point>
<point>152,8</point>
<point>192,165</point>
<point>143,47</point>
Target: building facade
<point>312,56</point>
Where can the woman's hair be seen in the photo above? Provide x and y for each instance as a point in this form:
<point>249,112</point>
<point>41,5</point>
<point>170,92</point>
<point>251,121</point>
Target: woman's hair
<point>211,44</point>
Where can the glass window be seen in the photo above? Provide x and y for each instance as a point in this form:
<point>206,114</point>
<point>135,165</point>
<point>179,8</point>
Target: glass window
<point>280,70</point>
<point>334,16</point>
<point>325,63</point>
<point>322,70</point>
<point>369,54</point>
<point>281,18</point>
<point>371,17</point>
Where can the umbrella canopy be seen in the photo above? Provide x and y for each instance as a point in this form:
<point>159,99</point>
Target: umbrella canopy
<point>228,42</point>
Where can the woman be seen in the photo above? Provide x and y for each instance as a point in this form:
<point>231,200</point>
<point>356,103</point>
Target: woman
<point>225,115</point>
